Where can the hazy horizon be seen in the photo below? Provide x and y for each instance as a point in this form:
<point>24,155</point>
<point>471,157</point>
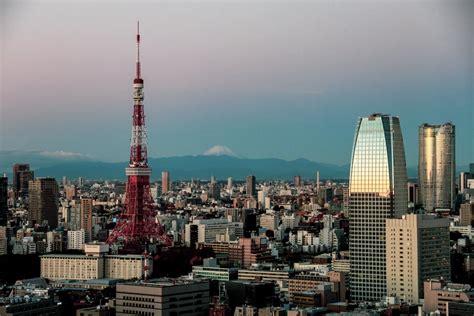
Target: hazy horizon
<point>270,79</point>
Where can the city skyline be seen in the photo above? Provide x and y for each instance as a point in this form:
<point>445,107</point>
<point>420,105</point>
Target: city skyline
<point>240,195</point>
<point>293,65</point>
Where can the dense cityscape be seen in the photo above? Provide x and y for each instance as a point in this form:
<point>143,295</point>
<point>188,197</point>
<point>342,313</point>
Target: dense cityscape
<point>376,242</point>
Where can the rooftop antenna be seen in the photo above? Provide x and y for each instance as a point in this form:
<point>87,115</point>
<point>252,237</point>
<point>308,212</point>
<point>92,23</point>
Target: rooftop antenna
<point>138,70</point>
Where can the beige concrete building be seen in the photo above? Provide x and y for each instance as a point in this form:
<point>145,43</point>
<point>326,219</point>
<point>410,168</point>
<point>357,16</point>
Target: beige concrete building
<point>126,267</point>
<point>163,297</point>
<point>72,267</point>
<point>438,295</point>
<point>310,281</point>
<point>466,214</point>
<point>417,249</point>
<point>269,221</point>
<point>95,264</point>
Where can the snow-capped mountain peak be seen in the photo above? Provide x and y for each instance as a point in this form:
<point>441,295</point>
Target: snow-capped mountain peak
<point>220,150</point>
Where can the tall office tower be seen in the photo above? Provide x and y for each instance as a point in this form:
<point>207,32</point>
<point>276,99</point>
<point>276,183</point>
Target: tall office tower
<point>317,180</point>
<point>21,176</point>
<point>471,168</point>
<point>229,184</point>
<point>412,194</point>
<point>463,177</point>
<point>165,182</point>
<point>3,201</point>
<point>44,202</point>
<point>377,191</point>
<point>64,181</point>
<point>80,182</point>
<point>214,191</point>
<point>250,186</point>
<point>262,199</point>
<point>417,249</point>
<point>436,165</point>
<point>86,218</point>
<point>297,181</point>
<point>137,224</point>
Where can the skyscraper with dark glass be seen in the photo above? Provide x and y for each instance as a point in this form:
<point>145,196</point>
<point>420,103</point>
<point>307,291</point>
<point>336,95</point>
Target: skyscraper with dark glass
<point>436,166</point>
<point>250,186</point>
<point>378,190</point>
<point>21,176</point>
<point>44,202</point>
<point>3,201</point>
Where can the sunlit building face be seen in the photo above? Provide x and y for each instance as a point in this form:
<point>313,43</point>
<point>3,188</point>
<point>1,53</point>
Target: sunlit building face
<point>378,190</point>
<point>436,165</point>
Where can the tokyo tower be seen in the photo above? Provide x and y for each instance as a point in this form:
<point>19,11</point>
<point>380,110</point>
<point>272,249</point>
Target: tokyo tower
<point>137,224</point>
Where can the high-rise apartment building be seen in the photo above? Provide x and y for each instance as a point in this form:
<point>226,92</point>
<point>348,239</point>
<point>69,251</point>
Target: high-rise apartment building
<point>298,182</point>
<point>417,249</point>
<point>21,177</point>
<point>76,239</point>
<point>43,202</point>
<point>436,165</point>
<point>466,214</point>
<point>229,185</point>
<point>250,186</point>
<point>378,190</point>
<point>3,201</point>
<point>165,182</point>
<point>86,218</point>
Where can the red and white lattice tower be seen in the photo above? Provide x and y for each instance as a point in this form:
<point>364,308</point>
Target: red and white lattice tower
<point>137,224</point>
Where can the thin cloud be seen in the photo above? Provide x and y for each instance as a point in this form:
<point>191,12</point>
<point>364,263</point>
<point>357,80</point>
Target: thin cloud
<point>65,155</point>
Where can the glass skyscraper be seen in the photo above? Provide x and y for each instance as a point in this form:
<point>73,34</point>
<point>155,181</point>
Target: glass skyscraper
<point>436,166</point>
<point>377,191</point>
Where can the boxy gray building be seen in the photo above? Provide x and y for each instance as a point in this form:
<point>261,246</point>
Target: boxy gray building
<point>163,297</point>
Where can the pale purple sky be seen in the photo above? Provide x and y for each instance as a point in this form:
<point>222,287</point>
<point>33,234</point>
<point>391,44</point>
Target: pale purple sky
<point>283,79</point>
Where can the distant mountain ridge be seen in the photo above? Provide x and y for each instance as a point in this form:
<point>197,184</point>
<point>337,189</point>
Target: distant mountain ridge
<point>200,167</point>
<point>216,162</point>
<point>180,167</point>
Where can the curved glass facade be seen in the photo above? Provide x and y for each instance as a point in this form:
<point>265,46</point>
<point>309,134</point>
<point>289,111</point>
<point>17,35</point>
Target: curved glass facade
<point>436,165</point>
<point>378,190</point>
